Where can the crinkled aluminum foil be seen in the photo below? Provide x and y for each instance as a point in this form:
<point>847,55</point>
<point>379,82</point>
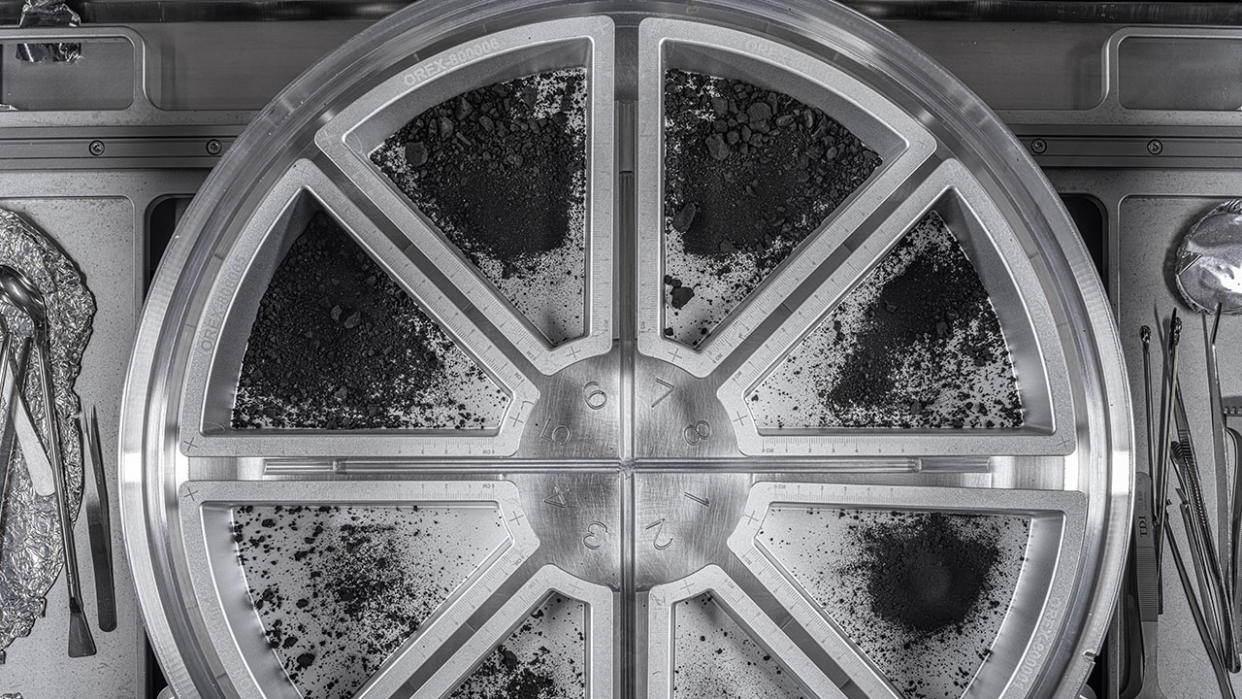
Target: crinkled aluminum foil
<point>30,546</point>
<point>1209,261</point>
<point>48,13</point>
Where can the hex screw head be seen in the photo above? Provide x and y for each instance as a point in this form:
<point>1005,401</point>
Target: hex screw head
<point>1155,147</point>
<point>214,147</point>
<point>96,147</point>
<point>1039,146</point>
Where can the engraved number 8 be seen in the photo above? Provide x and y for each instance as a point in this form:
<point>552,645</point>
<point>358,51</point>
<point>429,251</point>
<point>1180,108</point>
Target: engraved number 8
<point>697,433</point>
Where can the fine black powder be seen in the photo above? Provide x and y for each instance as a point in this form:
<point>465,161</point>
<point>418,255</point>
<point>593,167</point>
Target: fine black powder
<point>924,575</point>
<point>337,344</point>
<point>922,594</point>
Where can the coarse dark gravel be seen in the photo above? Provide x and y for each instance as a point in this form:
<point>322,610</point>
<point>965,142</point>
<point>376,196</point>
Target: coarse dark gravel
<point>501,171</point>
<point>749,174</point>
<point>339,588</point>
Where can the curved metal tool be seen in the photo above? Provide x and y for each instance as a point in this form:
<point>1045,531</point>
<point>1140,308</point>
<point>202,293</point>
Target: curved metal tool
<point>18,291</point>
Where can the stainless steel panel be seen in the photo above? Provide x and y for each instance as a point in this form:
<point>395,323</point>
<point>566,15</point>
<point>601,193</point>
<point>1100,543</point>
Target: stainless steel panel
<point>1018,65</point>
<point>99,220</point>
<point>1148,211</point>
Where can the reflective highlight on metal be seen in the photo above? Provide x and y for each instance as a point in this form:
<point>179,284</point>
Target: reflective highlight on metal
<point>1209,261</point>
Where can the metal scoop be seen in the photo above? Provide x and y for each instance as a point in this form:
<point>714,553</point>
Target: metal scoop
<point>18,291</point>
<point>1208,269</point>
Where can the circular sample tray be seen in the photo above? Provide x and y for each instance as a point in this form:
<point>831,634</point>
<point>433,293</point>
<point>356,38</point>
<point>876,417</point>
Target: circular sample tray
<point>613,464</point>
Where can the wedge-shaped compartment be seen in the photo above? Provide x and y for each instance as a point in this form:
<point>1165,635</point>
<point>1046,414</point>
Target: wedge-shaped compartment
<point>935,592</point>
<point>931,326</point>
<point>712,653</point>
<point>496,159</point>
<point>309,589</point>
<point>553,637</point>
<point>336,343</point>
<point>545,654</point>
<point>706,637</point>
<point>325,327</point>
<point>755,160</point>
<point>916,344</point>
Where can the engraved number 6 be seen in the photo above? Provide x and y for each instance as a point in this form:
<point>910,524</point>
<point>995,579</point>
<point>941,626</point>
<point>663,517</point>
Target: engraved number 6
<point>594,395</point>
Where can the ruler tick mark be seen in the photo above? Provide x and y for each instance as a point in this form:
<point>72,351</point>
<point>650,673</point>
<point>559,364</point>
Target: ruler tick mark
<point>701,500</point>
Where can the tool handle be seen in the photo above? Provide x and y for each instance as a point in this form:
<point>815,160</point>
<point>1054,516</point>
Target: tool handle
<point>1146,569</point>
<point>99,525</point>
<point>80,641</point>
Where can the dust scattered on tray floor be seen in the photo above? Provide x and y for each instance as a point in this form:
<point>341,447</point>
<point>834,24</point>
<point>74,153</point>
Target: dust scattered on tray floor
<point>917,344</point>
<point>339,588</point>
<point>544,658</point>
<point>922,594</point>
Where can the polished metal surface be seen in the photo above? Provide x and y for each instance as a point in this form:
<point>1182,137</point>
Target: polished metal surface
<point>626,472</point>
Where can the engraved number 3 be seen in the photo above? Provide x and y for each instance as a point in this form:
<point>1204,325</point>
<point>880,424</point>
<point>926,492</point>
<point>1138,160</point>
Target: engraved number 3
<point>596,533</point>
